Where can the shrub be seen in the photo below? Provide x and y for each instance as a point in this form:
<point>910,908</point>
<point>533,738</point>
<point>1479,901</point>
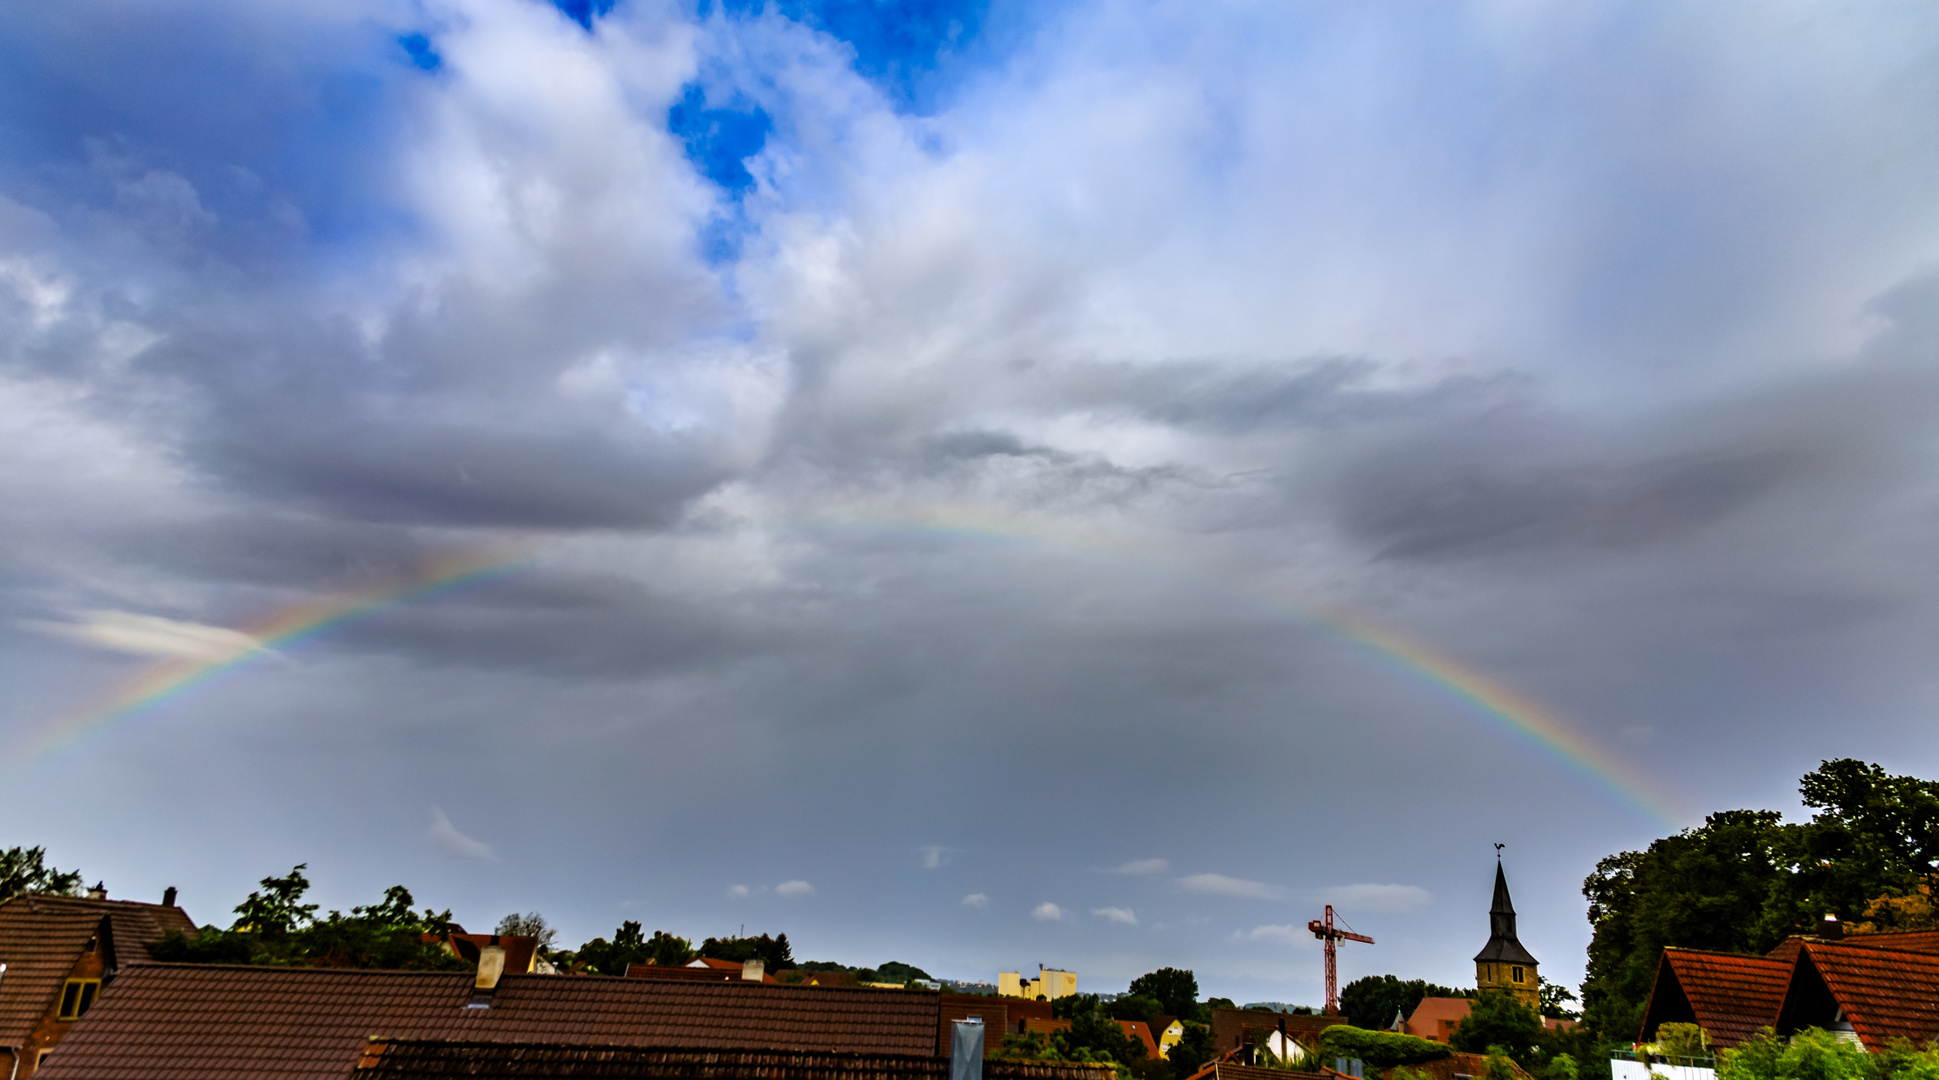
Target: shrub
<point>1378,1049</point>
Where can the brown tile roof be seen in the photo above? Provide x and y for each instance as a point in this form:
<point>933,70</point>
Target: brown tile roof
<point>684,974</point>
<point>42,936</point>
<point>1226,1070</point>
<point>1728,995</point>
<point>183,1021</point>
<point>993,1011</point>
<point>1238,1027</point>
<point>410,1059</point>
<point>1883,994</point>
<point>520,949</point>
<point>1920,941</point>
<point>1437,1017</point>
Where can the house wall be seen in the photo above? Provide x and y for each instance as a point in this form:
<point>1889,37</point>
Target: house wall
<point>50,1029</point>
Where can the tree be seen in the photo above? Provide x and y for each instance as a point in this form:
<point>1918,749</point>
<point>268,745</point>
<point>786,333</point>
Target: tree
<point>774,952</point>
<point>25,870</point>
<point>1745,879</point>
<point>1102,1037</point>
<point>1378,1049</point>
<point>1175,989</point>
<point>1372,1000</point>
<point>602,957</point>
<point>1555,1001</point>
<point>1497,1022</point>
<point>1811,1054</point>
<point>1134,1007</point>
<point>532,925</point>
<point>1195,1048</point>
<point>274,926</point>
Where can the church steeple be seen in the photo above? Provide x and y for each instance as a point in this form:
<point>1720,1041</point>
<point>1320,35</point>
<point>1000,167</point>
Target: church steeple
<point>1503,964</point>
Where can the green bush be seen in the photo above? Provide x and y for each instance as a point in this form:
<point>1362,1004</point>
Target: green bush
<point>1811,1054</point>
<point>1378,1049</point>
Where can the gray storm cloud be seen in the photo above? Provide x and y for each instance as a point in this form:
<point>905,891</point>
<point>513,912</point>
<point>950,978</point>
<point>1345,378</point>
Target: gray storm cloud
<point>966,484</point>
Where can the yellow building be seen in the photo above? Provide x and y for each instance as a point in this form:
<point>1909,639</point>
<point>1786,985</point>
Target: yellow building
<point>1049,985</point>
<point>1168,1036</point>
<point>1503,964</point>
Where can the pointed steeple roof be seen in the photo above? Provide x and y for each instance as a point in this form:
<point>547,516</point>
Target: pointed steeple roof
<point>1503,947</point>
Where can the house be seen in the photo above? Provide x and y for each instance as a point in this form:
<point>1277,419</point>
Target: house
<point>1049,985</point>
<point>1169,1031</point>
<point>1236,1028</point>
<point>705,970</point>
<point>1437,1017</point>
<point>1502,963</point>
<point>1019,1011</point>
<point>299,1023</point>
<point>521,952</point>
<point>1138,1030</point>
<point>1870,988</point>
<point>58,953</point>
<point>419,1059</point>
<point>994,1012</point>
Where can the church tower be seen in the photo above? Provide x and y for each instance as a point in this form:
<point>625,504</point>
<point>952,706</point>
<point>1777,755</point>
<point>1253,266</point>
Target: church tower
<point>1503,964</point>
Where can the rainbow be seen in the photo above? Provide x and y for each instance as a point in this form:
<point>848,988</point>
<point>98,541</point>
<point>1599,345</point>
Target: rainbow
<point>1513,712</point>
<point>1532,723</point>
<point>292,625</point>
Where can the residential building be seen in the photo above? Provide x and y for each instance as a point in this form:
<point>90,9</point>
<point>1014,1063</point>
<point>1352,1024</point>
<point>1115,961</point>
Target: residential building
<point>300,1023</point>
<point>1437,1017</point>
<point>1049,985</point>
<point>1139,1030</point>
<point>59,953</point>
<point>1502,964</point>
<point>1870,988</point>
<point>1237,1028</point>
<point>1169,1031</point>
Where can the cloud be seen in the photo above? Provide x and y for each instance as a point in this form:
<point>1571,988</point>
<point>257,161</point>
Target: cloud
<point>151,635</point>
<point>795,888</point>
<point>1220,885</point>
<point>737,892</point>
<point>1278,933</point>
<point>1142,866</point>
<point>933,856</point>
<point>446,835</point>
<point>1116,915</point>
<point>977,900</point>
<point>1047,912</point>
<point>1377,897</point>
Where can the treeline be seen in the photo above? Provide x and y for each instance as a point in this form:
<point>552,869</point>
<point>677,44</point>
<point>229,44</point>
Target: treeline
<point>1745,880</point>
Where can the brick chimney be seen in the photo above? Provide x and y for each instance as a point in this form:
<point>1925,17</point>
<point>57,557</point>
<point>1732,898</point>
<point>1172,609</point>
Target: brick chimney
<point>99,892</point>
<point>168,896</point>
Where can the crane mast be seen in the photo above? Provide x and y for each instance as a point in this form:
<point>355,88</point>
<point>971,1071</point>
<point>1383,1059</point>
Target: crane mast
<point>1332,937</point>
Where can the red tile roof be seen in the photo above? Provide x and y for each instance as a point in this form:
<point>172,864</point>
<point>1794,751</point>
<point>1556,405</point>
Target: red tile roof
<point>184,1021</point>
<point>1728,995</point>
<point>42,936</point>
<point>1920,941</point>
<point>1137,1030</point>
<point>1883,994</point>
<point>410,1059</point>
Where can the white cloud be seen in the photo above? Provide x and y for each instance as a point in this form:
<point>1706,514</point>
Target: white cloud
<point>795,888</point>
<point>738,892</point>
<point>1378,897</point>
<point>1280,933</point>
<point>1047,912</point>
<point>446,835</point>
<point>977,900</point>
<point>933,856</point>
<point>1116,915</point>
<point>1220,885</point>
<point>150,635</point>
<point>1143,866</point>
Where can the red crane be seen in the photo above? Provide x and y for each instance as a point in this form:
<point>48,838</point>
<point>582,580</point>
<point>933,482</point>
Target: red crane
<point>1325,932</point>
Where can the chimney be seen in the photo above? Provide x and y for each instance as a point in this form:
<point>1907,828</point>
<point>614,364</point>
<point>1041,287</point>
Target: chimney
<point>168,896</point>
<point>752,970</point>
<point>491,966</point>
<point>99,892</point>
<point>1831,927</point>
<point>966,1049</point>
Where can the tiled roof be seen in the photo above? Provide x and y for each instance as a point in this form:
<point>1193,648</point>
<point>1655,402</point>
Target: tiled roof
<point>687,974</point>
<point>1435,1017</point>
<point>1732,996</point>
<point>183,1021</point>
<point>1226,1070</point>
<point>1919,941</point>
<point>1884,994</point>
<point>1137,1030</point>
<point>411,1059</point>
<point>42,936</point>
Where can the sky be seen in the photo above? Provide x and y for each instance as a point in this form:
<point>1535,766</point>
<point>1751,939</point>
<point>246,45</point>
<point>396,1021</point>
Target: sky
<point>981,485</point>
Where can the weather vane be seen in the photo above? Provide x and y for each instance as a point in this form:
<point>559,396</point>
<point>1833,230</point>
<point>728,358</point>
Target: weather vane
<point>1498,848</point>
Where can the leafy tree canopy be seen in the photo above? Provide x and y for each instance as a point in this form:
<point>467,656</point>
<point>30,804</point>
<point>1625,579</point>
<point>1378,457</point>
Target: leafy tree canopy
<point>1175,989</point>
<point>1372,1000</point>
<point>630,945</point>
<point>1556,1000</point>
<point>1746,879</point>
<point>25,870</point>
<point>274,926</point>
<point>1378,1049</point>
<point>1133,1007</point>
<point>1498,1023</point>
<point>532,925</point>
<point>774,952</point>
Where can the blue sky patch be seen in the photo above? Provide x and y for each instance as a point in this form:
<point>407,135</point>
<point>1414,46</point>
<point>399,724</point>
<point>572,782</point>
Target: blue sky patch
<point>719,141</point>
<point>421,53</point>
<point>914,50</point>
<point>584,12</point>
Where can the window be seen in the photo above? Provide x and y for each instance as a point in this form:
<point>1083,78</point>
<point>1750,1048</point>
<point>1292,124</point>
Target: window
<point>76,996</point>
<point>1515,973</point>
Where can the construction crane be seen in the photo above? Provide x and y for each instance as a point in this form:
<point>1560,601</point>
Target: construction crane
<point>1325,932</point>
